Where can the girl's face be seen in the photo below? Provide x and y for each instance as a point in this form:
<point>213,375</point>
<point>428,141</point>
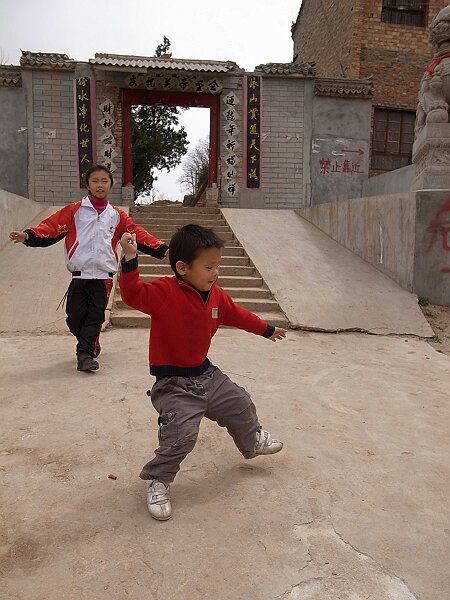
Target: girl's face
<point>99,184</point>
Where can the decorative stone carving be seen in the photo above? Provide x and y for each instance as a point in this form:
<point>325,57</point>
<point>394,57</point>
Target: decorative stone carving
<point>434,94</point>
<point>431,157</point>
<point>431,150</point>
<point>437,154</point>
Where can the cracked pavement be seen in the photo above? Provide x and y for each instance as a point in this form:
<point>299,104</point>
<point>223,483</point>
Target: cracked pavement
<point>355,507</point>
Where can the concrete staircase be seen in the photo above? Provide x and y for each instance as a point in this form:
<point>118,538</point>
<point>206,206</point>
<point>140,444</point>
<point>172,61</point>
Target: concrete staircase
<point>238,276</point>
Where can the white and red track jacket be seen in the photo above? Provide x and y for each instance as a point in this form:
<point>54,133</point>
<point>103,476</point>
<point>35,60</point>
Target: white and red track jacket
<point>91,238</point>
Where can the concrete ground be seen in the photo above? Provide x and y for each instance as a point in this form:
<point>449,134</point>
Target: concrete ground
<point>355,507</point>
<point>33,282</point>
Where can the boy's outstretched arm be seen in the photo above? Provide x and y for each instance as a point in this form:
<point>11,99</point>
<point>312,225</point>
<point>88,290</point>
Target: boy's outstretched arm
<point>18,237</point>
<point>129,245</point>
<point>234,315</point>
<point>278,334</point>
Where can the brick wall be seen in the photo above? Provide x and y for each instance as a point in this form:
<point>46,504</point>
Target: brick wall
<point>354,42</point>
<point>54,148</point>
<point>396,55</point>
<point>282,146</point>
<point>323,34</point>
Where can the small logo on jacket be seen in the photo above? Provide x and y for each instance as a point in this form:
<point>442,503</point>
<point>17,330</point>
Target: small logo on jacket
<point>214,313</point>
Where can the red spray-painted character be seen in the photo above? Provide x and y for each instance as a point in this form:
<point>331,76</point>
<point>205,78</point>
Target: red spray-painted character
<point>440,225</point>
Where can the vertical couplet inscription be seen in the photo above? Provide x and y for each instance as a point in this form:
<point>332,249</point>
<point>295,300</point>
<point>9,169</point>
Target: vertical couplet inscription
<point>253,131</point>
<point>84,126</point>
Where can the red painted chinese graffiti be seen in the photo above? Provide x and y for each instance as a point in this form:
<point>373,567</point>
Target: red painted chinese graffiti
<point>440,229</point>
<point>330,167</point>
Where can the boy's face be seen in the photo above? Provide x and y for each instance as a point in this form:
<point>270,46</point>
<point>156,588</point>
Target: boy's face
<point>99,184</point>
<point>203,271</point>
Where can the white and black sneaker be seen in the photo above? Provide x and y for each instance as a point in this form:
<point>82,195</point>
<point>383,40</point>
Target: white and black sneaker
<point>265,444</point>
<point>158,501</point>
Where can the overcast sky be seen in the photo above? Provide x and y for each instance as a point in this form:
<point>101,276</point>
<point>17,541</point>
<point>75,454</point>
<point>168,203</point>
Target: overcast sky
<point>246,32</point>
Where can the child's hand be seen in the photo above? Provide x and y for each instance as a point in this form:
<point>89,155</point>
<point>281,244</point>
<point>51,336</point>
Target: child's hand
<point>129,246</point>
<point>18,236</point>
<point>278,334</point>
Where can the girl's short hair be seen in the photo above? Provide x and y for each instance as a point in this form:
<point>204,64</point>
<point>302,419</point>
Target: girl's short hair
<point>188,241</point>
<point>96,168</point>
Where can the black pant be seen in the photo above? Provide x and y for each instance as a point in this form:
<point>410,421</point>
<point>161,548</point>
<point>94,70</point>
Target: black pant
<point>85,308</point>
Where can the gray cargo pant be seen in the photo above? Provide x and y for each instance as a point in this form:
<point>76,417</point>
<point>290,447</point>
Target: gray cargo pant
<point>182,402</point>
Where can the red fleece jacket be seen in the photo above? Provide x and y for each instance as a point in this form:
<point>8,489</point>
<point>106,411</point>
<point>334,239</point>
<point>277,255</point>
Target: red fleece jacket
<point>182,323</point>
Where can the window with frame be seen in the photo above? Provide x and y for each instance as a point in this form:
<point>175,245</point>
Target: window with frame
<point>404,12</point>
<point>393,138</point>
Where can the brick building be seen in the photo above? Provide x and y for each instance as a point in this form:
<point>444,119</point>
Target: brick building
<point>383,39</point>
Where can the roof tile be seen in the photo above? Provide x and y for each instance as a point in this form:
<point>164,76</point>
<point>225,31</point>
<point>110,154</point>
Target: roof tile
<point>162,62</point>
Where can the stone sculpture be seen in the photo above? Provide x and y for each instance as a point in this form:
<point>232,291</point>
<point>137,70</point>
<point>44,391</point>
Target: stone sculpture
<point>434,94</point>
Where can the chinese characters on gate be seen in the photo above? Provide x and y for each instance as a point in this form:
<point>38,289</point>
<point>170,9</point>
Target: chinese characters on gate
<point>84,126</point>
<point>180,82</point>
<point>253,131</point>
<point>108,150</point>
<point>230,155</point>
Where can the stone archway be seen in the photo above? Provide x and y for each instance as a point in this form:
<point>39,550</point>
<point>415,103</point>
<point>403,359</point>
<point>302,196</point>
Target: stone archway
<point>146,97</point>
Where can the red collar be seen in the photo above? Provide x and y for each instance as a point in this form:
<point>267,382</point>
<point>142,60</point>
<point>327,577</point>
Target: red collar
<point>430,70</point>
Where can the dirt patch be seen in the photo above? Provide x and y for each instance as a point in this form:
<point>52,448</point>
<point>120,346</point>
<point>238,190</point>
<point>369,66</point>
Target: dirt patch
<point>439,319</point>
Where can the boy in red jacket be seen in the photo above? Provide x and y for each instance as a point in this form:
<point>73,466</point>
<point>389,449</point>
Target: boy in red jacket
<point>186,310</point>
<point>91,228</point>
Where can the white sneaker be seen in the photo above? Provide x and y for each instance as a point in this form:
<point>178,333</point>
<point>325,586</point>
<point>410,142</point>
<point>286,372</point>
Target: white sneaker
<point>158,501</point>
<point>265,444</point>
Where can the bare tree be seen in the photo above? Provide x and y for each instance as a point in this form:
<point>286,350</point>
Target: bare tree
<point>4,58</point>
<point>195,167</point>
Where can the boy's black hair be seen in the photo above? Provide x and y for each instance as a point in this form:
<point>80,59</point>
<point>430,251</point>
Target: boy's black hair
<point>96,168</point>
<point>187,242</point>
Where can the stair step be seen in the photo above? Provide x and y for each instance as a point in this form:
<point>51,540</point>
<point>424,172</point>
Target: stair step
<point>168,226</point>
<point>248,292</point>
<point>253,304</point>
<point>238,261</point>
<point>224,281</point>
<point>176,221</point>
<point>132,318</point>
<point>258,305</point>
<point>165,234</point>
<point>235,292</point>
<point>277,319</point>
<point>233,249</point>
<point>230,242</point>
<point>196,210</point>
<point>165,269</point>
